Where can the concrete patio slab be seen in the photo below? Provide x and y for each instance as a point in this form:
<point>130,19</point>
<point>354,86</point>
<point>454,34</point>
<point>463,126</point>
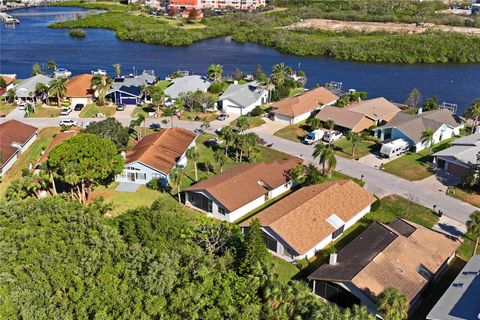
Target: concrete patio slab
<point>127,187</point>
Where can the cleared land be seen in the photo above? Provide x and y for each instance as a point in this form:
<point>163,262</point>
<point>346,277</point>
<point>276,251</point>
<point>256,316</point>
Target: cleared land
<point>360,26</point>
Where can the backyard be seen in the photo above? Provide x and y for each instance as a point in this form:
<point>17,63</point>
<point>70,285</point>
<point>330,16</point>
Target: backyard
<point>415,166</point>
<point>92,110</point>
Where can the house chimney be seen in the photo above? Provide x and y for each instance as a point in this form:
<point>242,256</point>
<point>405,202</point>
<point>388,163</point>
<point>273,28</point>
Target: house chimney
<point>333,259</point>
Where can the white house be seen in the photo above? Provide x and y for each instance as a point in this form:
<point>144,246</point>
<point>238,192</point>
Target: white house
<point>307,220</point>
<point>26,88</point>
<point>15,138</point>
<point>156,155</point>
<point>298,108</point>
<point>443,122</point>
<point>187,84</point>
<point>230,195</point>
<point>240,99</point>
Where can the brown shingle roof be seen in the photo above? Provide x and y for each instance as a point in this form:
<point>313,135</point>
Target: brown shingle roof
<point>80,86</point>
<point>161,150</point>
<point>59,138</point>
<point>345,118</point>
<point>238,186</point>
<point>13,131</point>
<point>301,218</point>
<point>376,109</point>
<point>393,262</point>
<point>305,102</point>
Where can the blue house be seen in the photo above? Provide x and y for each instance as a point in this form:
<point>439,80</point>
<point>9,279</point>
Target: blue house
<point>156,155</point>
<point>129,90</point>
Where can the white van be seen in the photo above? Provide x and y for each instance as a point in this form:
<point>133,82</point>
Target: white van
<point>313,136</point>
<point>394,148</point>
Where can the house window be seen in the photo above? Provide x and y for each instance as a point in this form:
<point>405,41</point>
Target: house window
<point>336,294</point>
<point>156,176</point>
<point>270,242</point>
<point>133,169</point>
<point>141,176</point>
<point>338,232</point>
<point>424,272</point>
<point>200,201</point>
<point>287,252</point>
<point>221,210</point>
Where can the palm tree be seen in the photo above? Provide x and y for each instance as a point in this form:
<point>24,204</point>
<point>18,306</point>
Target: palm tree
<point>41,90</point>
<point>229,136</point>
<point>354,138</point>
<point>36,69</point>
<point>220,158</point>
<point>101,85</point>
<point>242,123</point>
<point>427,138</point>
<point>473,227</point>
<point>52,66</point>
<point>280,72</point>
<point>11,94</point>
<point>329,124</point>
<point>57,88</point>
<point>176,175</point>
<point>392,305</point>
<point>473,112</point>
<point>326,157</point>
<point>118,69</point>
<point>193,155</point>
<point>314,123</point>
<point>157,95</point>
<point>215,72</point>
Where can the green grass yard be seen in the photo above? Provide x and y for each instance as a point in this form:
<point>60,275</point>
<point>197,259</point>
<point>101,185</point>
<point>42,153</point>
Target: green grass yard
<point>45,112</point>
<point>293,132</point>
<point>143,110</point>
<point>91,110</point>
<point>466,195</point>
<point>252,121</point>
<point>414,166</point>
<point>344,148</point>
<point>5,108</point>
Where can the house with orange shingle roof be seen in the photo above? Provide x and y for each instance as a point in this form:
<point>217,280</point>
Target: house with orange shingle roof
<point>402,254</point>
<point>232,194</point>
<point>309,219</point>
<point>299,107</point>
<point>156,155</point>
<point>79,89</point>
<point>8,81</point>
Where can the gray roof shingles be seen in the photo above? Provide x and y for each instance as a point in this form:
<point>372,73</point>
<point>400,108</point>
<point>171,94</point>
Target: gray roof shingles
<point>243,94</point>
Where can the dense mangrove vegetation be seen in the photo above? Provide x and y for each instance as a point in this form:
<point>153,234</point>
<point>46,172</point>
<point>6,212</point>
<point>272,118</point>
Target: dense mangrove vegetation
<point>268,29</point>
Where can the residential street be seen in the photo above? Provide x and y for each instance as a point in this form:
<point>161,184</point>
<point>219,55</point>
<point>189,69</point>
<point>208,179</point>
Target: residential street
<point>378,182</point>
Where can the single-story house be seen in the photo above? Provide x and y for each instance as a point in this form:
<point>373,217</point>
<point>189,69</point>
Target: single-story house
<point>129,90</point>
<point>230,195</point>
<point>345,119</point>
<point>402,255</point>
<point>460,157</point>
<point>15,138</point>
<point>298,108</point>
<point>59,138</point>
<point>444,123</point>
<point>79,89</point>
<point>9,80</point>
<point>379,110</point>
<point>461,300</point>
<point>26,88</point>
<point>156,155</point>
<point>309,219</point>
<point>241,99</point>
<point>187,84</point>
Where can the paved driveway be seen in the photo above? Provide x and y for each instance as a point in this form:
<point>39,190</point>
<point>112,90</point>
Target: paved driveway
<point>127,187</point>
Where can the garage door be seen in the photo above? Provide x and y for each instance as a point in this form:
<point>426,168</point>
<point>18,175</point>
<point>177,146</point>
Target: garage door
<point>129,101</point>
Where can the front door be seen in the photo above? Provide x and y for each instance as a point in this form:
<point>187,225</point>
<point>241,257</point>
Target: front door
<point>131,176</point>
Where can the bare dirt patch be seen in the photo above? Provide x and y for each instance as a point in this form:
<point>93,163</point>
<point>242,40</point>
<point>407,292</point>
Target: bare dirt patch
<point>339,26</point>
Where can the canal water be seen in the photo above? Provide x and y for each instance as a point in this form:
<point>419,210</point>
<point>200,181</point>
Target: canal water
<point>32,42</point>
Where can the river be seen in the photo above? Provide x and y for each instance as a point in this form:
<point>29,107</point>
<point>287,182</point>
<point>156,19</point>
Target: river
<point>31,42</point>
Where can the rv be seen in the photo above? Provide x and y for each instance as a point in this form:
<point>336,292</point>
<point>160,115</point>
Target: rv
<point>394,148</point>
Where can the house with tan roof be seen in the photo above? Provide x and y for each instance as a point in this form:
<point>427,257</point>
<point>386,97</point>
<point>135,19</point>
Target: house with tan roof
<point>15,138</point>
<point>298,108</point>
<point>402,255</point>
<point>443,122</point>
<point>156,155</point>
<point>306,221</point>
<point>9,81</point>
<point>379,109</point>
<point>230,195</point>
<point>79,89</point>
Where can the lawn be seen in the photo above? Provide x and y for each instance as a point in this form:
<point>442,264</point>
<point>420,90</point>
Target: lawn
<point>45,112</point>
<point>207,160</point>
<point>344,148</point>
<point>284,269</point>
<point>295,91</point>
<point>5,108</point>
<point>293,132</point>
<point>123,201</point>
<point>91,110</point>
<point>414,166</point>
<point>252,121</point>
<point>466,195</point>
<point>31,155</point>
<point>143,110</point>
<point>198,116</point>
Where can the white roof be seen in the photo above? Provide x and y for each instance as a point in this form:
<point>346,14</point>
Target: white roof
<point>27,86</point>
<point>243,95</point>
<point>187,84</point>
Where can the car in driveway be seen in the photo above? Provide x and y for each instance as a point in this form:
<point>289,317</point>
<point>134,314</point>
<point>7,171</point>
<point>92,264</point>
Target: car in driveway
<point>68,123</point>
<point>223,117</point>
<point>65,111</point>
<point>78,107</point>
<point>120,107</point>
<point>333,136</point>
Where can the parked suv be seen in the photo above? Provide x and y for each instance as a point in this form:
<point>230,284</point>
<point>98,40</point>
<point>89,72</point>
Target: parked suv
<point>223,117</point>
<point>332,136</point>
<point>68,123</point>
<point>78,107</point>
<point>65,111</point>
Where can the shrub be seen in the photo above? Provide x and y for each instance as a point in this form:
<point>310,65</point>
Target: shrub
<point>77,33</point>
<point>217,87</point>
<point>155,184</point>
<point>376,205</point>
<point>302,264</point>
<point>256,112</point>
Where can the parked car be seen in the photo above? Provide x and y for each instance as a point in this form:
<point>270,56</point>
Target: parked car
<point>68,122</point>
<point>394,148</point>
<point>78,107</point>
<point>332,136</point>
<point>219,129</point>
<point>223,117</point>
<point>65,111</point>
<point>120,107</point>
<point>199,131</point>
<point>313,136</point>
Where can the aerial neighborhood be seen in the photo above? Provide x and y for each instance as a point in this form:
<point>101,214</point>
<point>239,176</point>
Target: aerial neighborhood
<point>370,204</point>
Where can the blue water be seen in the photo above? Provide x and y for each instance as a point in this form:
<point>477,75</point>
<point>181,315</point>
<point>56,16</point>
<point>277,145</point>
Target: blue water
<point>31,42</point>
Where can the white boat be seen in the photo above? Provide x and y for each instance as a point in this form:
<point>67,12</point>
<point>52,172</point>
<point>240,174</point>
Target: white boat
<point>100,72</point>
<point>62,73</point>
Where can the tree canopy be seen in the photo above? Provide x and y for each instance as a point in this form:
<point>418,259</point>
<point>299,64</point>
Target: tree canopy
<point>112,130</point>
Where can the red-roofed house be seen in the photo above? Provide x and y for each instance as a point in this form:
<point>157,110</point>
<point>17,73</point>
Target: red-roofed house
<point>15,138</point>
<point>79,89</point>
<point>9,82</point>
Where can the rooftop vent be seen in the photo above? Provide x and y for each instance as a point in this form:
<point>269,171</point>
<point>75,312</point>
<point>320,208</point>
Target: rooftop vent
<point>333,259</point>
